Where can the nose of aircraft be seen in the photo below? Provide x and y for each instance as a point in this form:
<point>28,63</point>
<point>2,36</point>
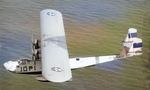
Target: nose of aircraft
<point>11,65</point>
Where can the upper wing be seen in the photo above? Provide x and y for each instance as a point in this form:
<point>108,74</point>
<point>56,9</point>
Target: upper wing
<point>55,59</point>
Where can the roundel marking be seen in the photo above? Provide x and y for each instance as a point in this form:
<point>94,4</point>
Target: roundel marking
<point>51,14</point>
<point>56,69</point>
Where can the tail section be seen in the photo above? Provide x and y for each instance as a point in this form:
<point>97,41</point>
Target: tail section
<point>132,44</point>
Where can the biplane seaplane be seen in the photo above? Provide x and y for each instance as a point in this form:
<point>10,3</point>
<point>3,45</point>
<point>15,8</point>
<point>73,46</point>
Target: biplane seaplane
<point>50,55</point>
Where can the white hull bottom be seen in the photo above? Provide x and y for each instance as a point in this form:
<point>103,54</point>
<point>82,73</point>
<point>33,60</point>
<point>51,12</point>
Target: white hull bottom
<point>75,63</point>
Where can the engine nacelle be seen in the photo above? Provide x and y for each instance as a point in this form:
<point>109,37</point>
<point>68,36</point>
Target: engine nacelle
<point>36,44</point>
<point>36,55</point>
<point>34,51</point>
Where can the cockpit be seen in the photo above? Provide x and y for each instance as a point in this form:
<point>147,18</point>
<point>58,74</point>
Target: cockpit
<point>23,61</point>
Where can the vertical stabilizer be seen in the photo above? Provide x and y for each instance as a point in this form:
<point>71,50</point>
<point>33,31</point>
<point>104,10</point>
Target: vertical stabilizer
<point>55,59</point>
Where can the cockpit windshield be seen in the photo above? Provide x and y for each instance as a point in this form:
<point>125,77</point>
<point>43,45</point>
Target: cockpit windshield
<point>22,61</point>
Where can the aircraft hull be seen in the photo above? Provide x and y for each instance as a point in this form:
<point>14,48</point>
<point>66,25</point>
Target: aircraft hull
<point>31,66</point>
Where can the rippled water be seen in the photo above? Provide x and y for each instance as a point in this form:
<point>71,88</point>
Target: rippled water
<point>90,26</point>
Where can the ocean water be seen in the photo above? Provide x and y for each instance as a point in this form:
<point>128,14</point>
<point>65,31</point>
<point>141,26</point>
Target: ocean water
<point>95,22</point>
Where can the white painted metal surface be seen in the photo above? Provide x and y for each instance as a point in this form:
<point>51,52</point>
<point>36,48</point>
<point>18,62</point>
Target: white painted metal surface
<point>131,48</point>
<point>11,65</point>
<point>55,60</point>
<point>132,30</point>
<point>80,62</point>
<point>127,44</point>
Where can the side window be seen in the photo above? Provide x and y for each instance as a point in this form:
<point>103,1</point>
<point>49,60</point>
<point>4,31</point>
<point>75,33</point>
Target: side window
<point>22,62</point>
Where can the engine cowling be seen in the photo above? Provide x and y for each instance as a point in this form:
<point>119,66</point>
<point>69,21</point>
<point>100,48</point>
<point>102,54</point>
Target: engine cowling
<point>36,54</point>
<point>36,44</point>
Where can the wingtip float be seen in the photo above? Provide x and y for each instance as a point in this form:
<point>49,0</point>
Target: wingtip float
<point>51,55</point>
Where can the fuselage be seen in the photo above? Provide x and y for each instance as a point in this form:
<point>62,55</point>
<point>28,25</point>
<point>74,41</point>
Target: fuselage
<point>31,66</point>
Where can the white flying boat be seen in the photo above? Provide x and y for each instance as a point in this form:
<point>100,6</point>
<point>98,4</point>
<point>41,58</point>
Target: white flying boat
<point>50,55</point>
